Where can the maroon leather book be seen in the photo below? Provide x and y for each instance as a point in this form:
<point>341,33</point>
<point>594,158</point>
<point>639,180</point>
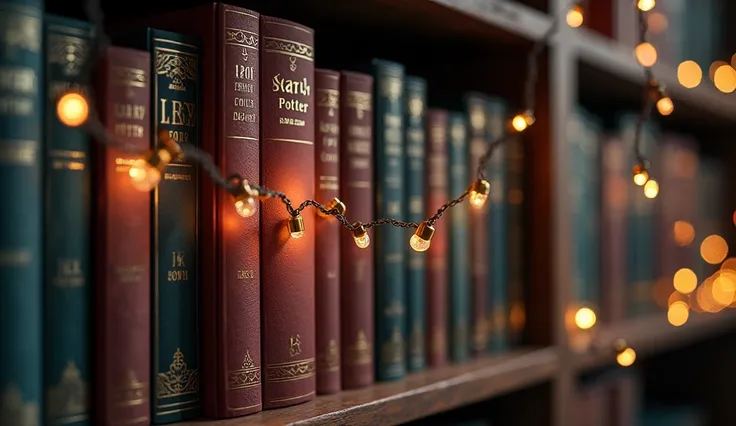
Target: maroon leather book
<point>356,191</point>
<point>287,164</point>
<point>122,249</point>
<point>437,274</point>
<point>229,248</point>
<point>327,232</point>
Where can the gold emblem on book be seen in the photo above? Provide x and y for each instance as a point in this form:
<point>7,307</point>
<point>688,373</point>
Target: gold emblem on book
<point>248,375</point>
<point>15,411</point>
<point>391,87</point>
<point>234,35</point>
<point>328,98</point>
<point>360,102</point>
<point>19,32</point>
<point>69,398</point>
<point>361,353</point>
<point>292,63</point>
<point>178,380</point>
<point>69,52</point>
<point>295,345</point>
<point>288,47</point>
<point>125,76</point>
<point>392,351</point>
<point>131,392</point>
<point>291,371</point>
<point>416,106</point>
<point>178,68</point>
<point>329,360</point>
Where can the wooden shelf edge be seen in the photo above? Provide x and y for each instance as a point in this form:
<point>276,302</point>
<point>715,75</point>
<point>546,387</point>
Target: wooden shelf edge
<point>419,395</point>
<point>652,335</point>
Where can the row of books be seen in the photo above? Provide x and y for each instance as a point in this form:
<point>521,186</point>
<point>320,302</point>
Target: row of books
<point>125,305</point>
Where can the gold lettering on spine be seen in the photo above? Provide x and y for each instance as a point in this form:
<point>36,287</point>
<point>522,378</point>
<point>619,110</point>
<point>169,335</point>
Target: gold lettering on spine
<point>291,87</point>
<point>244,73</point>
<point>129,112</point>
<point>178,271</point>
<point>68,273</point>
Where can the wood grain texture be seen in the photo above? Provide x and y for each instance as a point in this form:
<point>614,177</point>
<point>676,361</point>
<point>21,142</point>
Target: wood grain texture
<point>419,395</point>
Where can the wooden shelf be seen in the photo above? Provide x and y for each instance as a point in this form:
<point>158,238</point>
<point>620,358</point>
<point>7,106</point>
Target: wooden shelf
<point>652,335</point>
<point>418,396</point>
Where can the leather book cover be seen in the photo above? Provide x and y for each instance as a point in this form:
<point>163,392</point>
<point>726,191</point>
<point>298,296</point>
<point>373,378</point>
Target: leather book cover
<point>497,297</point>
<point>287,164</point>
<point>415,98</point>
<point>437,195</point>
<point>68,285</point>
<point>122,245</point>
<point>514,198</point>
<point>21,264</point>
<point>327,231</point>
<point>459,240</point>
<point>356,264</point>
<point>476,105</point>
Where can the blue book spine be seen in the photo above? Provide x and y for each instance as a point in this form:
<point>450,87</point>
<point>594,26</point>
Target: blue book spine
<point>21,121</point>
<point>68,325</point>
<point>459,241</point>
<point>390,282</point>
<point>497,296</point>
<point>415,98</point>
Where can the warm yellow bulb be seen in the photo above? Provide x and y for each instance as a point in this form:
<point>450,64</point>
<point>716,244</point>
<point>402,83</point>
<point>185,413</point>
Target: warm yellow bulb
<point>724,78</point>
<point>626,357</point>
<point>145,177</point>
<point>422,238</point>
<point>585,318</point>
<point>575,16</point>
<point>651,189</point>
<point>689,74</point>
<point>246,207</point>
<point>645,5</point>
<point>521,121</point>
<point>360,235</point>
<point>685,281</point>
<point>665,105</point>
<point>479,193</point>
<point>296,226</point>
<point>678,313</point>
<point>641,176</point>
<point>72,109</point>
<point>645,54</point>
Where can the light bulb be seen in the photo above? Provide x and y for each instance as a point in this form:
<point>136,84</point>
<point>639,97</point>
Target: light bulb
<point>244,197</point>
<point>645,54</point>
<point>422,238</point>
<point>246,207</point>
<point>665,105</point>
<point>479,193</point>
<point>72,109</point>
<point>585,318</point>
<point>641,176</point>
<point>296,226</point>
<point>575,16</point>
<point>144,175</point>
<point>625,355</point>
<point>645,5</point>
<point>521,121</point>
<point>651,189</point>
<point>335,204</point>
<point>360,235</point>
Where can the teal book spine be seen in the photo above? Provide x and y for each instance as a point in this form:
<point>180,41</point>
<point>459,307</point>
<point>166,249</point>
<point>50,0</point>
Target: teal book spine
<point>516,284</point>
<point>415,100</point>
<point>175,316</point>
<point>459,246</point>
<point>67,245</point>
<point>497,303</point>
<point>390,282</point>
<point>21,121</point>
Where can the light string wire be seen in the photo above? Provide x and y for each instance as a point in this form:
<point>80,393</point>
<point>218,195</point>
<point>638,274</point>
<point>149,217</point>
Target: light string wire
<point>235,185</point>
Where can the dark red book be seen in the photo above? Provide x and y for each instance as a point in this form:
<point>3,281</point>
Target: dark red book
<point>122,250</point>
<point>229,248</point>
<point>437,273</point>
<point>356,191</point>
<point>287,165</point>
<point>327,232</point>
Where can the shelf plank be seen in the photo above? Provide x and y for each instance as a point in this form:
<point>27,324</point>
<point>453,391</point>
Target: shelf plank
<point>419,395</point>
<point>653,335</point>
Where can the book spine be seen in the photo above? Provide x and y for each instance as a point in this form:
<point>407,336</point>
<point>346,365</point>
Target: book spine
<point>287,163</point>
<point>174,264</point>
<point>477,110</point>
<point>356,191</point>
<point>21,68</point>
<point>437,273</point>
<point>327,232</point>
<point>515,239</point>
<point>123,252</point>
<point>390,302</point>
<point>459,245</point>
<point>67,322</point>
<point>497,303</point>
<point>415,98</point>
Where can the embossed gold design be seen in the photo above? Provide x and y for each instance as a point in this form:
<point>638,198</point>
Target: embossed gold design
<point>295,345</point>
<point>328,98</point>
<point>292,63</point>
<point>416,106</point>
<point>19,31</point>
<point>290,371</point>
<point>248,375</point>
<point>15,411</point>
<point>178,68</point>
<point>392,351</point>
<point>360,101</point>
<point>178,380</point>
<point>288,47</point>
<point>391,87</point>
<point>69,398</point>
<point>361,353</point>
<point>125,76</point>
<point>67,51</point>
<point>234,35</point>
<point>131,392</point>
<point>477,118</point>
<point>329,360</point>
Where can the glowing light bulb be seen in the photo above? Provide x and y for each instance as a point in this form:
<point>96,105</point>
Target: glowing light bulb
<point>144,175</point>
<point>585,318</point>
<point>422,238</point>
<point>296,226</point>
<point>575,16</point>
<point>651,189</point>
<point>521,121</point>
<point>360,235</point>
<point>335,204</point>
<point>246,207</point>
<point>645,5</point>
<point>665,105</point>
<point>645,54</point>
<point>626,357</point>
<point>689,74</point>
<point>479,193</point>
<point>72,109</point>
<point>641,176</point>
